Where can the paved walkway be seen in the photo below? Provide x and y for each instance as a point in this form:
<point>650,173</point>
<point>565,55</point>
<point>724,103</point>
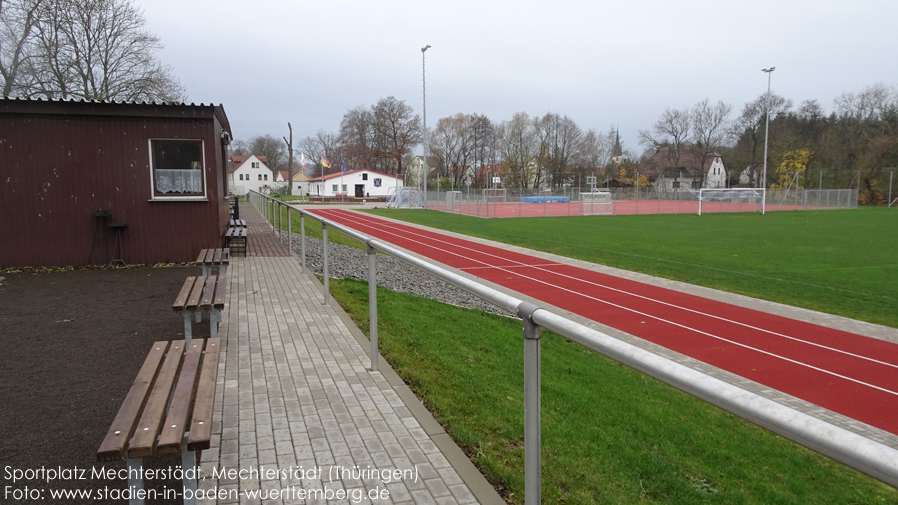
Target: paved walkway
<point>296,402</point>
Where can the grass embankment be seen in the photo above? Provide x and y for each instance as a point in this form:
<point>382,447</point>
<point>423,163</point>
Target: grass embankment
<point>610,434</point>
<point>313,228</point>
<point>842,262</point>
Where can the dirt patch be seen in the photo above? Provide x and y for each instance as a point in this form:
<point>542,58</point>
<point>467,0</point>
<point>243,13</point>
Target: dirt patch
<point>71,343</point>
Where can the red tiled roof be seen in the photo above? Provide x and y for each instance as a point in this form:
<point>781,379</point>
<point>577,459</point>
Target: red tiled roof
<point>238,160</point>
<point>338,174</point>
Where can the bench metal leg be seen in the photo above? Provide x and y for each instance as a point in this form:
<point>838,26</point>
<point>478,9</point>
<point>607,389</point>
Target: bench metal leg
<point>135,484</point>
<point>222,269</point>
<point>199,316</point>
<point>206,270</point>
<point>188,465</point>
<point>188,326</point>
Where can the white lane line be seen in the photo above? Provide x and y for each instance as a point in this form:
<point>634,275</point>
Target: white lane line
<point>522,265</point>
<point>458,246</point>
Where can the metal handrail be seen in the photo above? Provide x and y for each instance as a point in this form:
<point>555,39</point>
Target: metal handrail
<point>863,454</point>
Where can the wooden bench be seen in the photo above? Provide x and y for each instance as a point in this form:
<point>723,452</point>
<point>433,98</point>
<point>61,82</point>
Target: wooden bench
<point>238,223</point>
<point>214,258</point>
<point>235,238</point>
<point>156,416</point>
<point>200,294</point>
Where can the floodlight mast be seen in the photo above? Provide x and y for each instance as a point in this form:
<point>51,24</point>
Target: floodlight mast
<point>768,71</point>
<point>424,95</point>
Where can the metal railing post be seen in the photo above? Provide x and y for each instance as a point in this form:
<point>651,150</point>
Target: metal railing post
<point>326,293</point>
<point>302,241</point>
<point>372,304</point>
<point>289,231</point>
<point>532,421</point>
<point>277,205</point>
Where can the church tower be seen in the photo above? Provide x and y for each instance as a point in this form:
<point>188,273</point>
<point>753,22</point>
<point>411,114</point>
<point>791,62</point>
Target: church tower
<point>617,153</point>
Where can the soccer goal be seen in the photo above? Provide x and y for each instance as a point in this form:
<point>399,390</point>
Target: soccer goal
<point>731,200</point>
<point>596,203</point>
<point>453,201</point>
<point>495,195</point>
<point>405,197</point>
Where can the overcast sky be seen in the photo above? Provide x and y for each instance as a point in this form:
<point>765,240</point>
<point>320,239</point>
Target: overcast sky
<point>601,63</point>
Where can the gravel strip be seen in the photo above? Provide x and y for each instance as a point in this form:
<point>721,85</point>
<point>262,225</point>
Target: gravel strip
<point>393,274</point>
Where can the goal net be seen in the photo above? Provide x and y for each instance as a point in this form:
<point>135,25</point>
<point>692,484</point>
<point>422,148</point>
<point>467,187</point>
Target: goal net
<point>495,195</point>
<point>405,197</point>
<point>596,203</point>
<point>453,201</point>
<point>730,200</point>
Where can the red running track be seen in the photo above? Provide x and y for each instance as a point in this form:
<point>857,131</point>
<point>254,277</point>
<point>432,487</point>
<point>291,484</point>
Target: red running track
<point>853,375</point>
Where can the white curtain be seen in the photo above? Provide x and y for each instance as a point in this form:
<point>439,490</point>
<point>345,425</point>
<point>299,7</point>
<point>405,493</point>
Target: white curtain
<point>179,181</point>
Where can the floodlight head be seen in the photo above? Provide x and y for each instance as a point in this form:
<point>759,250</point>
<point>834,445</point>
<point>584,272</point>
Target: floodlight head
<point>425,48</point>
<point>768,70</point>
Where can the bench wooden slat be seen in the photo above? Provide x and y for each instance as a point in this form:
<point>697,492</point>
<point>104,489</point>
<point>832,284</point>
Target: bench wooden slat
<point>176,421</point>
<point>220,287</point>
<point>183,296</point>
<point>196,294</point>
<point>225,256</point>
<point>210,254</point>
<point>201,420</point>
<point>216,257</point>
<point>202,257</point>
<point>148,427</point>
<point>208,292</point>
<point>123,426</point>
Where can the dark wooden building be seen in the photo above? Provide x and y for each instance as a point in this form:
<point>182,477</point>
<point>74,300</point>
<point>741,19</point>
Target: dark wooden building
<point>68,170</point>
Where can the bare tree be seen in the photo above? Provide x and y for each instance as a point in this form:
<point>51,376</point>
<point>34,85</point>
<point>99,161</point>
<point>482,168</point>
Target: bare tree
<point>17,20</point>
<point>290,160</point>
<point>451,143</point>
<point>748,128</point>
<point>595,152</point>
<point>397,130</point>
<point>357,134</point>
<point>517,147</point>
<point>273,150</point>
<point>561,139</point>
<point>710,130</point>
<point>323,144</point>
<point>483,145</point>
<point>96,50</point>
<point>670,132</point>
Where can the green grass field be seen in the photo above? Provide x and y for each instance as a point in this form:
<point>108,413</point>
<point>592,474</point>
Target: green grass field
<point>610,434</point>
<point>842,262</point>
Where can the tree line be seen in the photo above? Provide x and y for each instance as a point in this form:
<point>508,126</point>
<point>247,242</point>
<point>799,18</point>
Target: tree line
<point>81,49</point>
<point>856,144</point>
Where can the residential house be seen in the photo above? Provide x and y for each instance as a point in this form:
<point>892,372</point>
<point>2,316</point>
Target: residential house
<point>250,173</point>
<point>300,181</point>
<point>361,184</point>
<point>70,169</point>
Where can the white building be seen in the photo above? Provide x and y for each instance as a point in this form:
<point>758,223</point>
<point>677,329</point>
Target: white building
<point>354,184</point>
<point>250,172</point>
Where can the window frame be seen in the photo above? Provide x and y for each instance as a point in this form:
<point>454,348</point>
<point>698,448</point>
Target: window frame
<point>176,196</point>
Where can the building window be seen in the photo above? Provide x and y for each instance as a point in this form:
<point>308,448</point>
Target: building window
<point>344,188</point>
<point>364,177</point>
<point>266,177</point>
<point>335,188</point>
<point>255,164</point>
<point>177,168</point>
<point>260,177</point>
<point>377,182</point>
